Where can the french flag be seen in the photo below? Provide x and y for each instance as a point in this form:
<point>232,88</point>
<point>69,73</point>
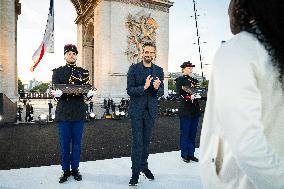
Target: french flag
<point>47,44</point>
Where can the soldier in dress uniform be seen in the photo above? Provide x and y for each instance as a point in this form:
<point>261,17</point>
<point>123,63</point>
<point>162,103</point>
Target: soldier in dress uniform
<point>189,111</point>
<point>50,106</point>
<point>27,118</point>
<point>70,112</point>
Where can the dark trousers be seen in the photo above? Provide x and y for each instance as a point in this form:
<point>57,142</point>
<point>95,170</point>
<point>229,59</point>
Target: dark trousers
<point>70,133</point>
<point>20,117</point>
<point>141,136</point>
<point>27,118</point>
<point>188,129</point>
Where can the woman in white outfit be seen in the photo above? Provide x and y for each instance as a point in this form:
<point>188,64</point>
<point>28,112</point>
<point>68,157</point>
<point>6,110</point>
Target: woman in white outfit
<point>242,142</point>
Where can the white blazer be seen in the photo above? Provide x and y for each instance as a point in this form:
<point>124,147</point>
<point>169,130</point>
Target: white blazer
<point>242,139</point>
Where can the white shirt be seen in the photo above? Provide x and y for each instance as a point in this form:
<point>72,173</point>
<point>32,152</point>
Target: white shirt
<point>242,142</point>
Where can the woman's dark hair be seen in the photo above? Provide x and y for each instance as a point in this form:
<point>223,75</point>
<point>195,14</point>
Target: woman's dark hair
<point>265,20</point>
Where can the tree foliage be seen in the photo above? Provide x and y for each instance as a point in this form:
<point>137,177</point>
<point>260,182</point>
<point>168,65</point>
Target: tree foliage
<point>20,86</point>
<point>40,88</point>
<point>204,83</point>
<point>171,85</point>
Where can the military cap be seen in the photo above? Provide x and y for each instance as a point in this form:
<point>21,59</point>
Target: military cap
<point>187,64</point>
<point>70,47</point>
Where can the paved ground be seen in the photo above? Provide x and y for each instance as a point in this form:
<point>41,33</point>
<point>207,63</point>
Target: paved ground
<point>169,170</point>
<point>31,145</point>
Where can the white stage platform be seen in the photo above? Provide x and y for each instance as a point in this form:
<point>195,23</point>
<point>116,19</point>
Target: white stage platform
<point>169,170</point>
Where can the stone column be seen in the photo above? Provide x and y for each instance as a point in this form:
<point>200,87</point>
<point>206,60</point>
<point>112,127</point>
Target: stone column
<point>88,48</point>
<point>80,33</point>
<point>163,46</point>
<point>9,11</point>
<point>102,54</point>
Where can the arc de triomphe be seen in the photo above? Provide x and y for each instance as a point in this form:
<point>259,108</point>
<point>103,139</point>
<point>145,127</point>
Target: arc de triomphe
<point>109,38</point>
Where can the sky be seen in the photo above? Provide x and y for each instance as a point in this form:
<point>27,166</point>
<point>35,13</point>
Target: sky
<point>213,27</point>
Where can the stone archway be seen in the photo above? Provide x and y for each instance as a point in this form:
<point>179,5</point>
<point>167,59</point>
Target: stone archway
<point>102,40</point>
<point>80,5</point>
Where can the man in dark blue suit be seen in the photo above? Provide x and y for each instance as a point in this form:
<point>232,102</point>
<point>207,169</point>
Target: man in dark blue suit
<point>144,86</point>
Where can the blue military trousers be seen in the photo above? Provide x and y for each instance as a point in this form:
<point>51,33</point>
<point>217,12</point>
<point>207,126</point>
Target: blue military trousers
<point>188,129</point>
<point>70,132</point>
<point>141,136</point>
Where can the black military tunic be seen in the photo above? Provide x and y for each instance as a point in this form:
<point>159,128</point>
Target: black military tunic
<point>70,107</point>
<point>187,108</point>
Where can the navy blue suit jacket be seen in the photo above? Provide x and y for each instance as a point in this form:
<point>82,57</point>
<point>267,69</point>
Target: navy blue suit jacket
<point>136,78</point>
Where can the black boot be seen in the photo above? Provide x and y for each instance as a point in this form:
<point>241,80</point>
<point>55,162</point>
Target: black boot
<point>76,174</point>
<point>64,176</point>
<point>192,158</point>
<point>148,174</point>
<point>134,180</point>
<point>185,159</point>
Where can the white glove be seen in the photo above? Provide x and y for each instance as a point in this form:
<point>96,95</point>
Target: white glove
<point>90,93</point>
<point>196,96</point>
<point>56,93</point>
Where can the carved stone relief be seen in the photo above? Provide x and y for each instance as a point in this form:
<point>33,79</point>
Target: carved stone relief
<point>142,29</point>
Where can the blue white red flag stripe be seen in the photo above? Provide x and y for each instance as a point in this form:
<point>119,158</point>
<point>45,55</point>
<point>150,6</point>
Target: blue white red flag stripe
<point>47,44</point>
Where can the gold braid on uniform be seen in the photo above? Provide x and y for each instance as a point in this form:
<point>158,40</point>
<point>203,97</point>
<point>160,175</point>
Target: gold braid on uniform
<point>84,80</point>
<point>194,82</point>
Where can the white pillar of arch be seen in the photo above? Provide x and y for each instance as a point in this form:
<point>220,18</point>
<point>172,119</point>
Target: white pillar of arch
<point>88,50</point>
<point>9,10</point>
<point>80,33</point>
